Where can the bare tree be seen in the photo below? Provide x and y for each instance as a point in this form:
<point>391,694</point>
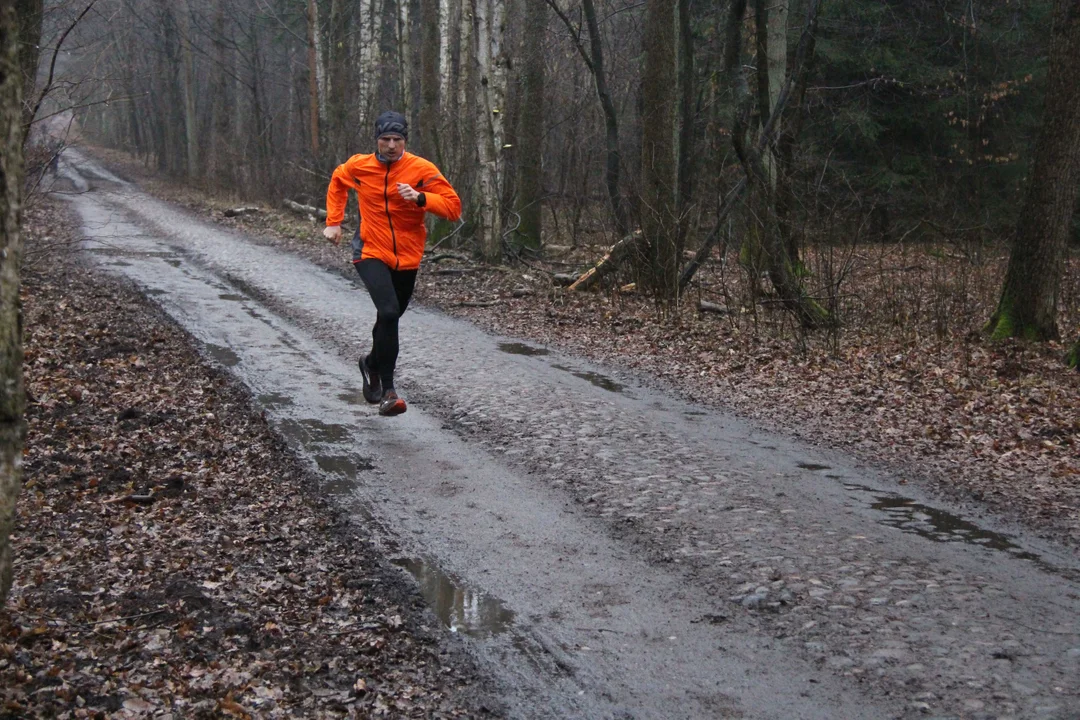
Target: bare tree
<point>594,60</point>
<point>12,394</point>
<point>1028,304</point>
<point>531,135</point>
<point>658,155</point>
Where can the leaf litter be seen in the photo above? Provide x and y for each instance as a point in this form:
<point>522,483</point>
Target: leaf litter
<point>172,559</point>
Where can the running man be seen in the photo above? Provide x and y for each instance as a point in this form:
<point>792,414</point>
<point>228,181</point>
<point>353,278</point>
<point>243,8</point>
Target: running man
<point>394,189</point>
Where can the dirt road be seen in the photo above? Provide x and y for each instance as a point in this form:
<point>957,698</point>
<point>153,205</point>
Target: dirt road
<point>610,551</point>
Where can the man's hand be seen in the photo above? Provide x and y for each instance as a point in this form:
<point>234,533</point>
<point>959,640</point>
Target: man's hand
<point>407,192</point>
<point>332,233</point>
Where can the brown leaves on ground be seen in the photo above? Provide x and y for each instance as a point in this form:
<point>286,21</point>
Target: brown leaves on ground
<point>172,559</point>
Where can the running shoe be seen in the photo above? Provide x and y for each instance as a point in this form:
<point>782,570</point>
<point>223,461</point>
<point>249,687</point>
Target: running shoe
<point>372,383</point>
<point>391,404</point>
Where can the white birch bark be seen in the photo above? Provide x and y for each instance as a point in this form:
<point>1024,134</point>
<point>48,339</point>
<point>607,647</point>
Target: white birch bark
<point>371,13</point>
<point>320,57</point>
<point>491,60</point>
<point>404,59</point>
<point>444,51</point>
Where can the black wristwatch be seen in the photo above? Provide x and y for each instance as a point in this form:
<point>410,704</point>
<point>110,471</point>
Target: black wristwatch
<point>421,200</point>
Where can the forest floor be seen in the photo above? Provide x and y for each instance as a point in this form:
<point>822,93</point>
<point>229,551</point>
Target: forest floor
<point>908,383</point>
<point>172,557</point>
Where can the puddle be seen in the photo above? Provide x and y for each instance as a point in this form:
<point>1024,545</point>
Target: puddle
<point>694,413</point>
<point>223,355</point>
<point>600,381</point>
<point>938,525</point>
<point>309,431</point>
<point>231,296</point>
<point>274,400</point>
<point>348,466</point>
<point>122,252</point>
<point>812,466</point>
<point>353,397</point>
<point>460,608</point>
<point>522,349</point>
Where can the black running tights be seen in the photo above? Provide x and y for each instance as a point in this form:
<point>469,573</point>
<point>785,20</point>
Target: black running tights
<point>390,291</point>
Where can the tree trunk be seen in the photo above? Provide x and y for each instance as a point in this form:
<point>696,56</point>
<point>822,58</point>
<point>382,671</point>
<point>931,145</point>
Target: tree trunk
<point>658,166</point>
<point>314,76</point>
<point>1073,358</point>
<point>611,120</point>
<point>1029,297</point>
<point>430,53</point>
<point>337,91</point>
<point>491,108</point>
<point>531,136</point>
<point>12,395</point>
<point>191,125</point>
<point>28,13</point>
<point>686,119</point>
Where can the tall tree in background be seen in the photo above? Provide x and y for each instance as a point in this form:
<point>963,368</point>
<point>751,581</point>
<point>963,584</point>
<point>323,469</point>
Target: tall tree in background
<point>658,162</point>
<point>12,394</point>
<point>1029,297</point>
<point>531,133</point>
<point>594,60</point>
<point>491,65</point>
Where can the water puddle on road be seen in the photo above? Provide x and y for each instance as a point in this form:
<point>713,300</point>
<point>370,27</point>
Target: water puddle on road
<point>232,296</point>
<point>460,608</point>
<point>600,381</point>
<point>812,466</point>
<point>353,397</point>
<point>123,252</point>
<point>309,430</point>
<point>222,355</point>
<point>938,525</point>
<point>515,348</point>
<point>274,400</point>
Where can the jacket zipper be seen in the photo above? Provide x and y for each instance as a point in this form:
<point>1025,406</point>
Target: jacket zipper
<point>389,219</point>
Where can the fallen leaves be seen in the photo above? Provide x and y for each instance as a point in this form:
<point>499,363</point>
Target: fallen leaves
<point>171,556</point>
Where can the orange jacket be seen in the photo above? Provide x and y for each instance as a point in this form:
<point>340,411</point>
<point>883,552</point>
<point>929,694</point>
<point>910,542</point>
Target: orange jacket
<point>391,228</point>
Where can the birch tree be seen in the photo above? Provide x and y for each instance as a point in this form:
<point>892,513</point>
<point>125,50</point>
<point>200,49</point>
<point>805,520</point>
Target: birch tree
<point>491,66</point>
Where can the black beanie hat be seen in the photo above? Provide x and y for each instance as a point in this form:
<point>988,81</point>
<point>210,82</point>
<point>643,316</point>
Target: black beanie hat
<point>391,123</point>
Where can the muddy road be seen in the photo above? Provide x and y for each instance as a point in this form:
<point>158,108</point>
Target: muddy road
<point>611,552</point>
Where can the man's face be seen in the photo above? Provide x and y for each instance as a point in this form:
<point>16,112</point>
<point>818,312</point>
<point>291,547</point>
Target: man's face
<point>391,146</point>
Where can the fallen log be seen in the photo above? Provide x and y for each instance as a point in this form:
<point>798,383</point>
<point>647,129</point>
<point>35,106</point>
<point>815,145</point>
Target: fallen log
<point>706,306</point>
<point>609,262</point>
<point>237,212</point>
<point>304,209</point>
<point>439,257</point>
<point>563,279</point>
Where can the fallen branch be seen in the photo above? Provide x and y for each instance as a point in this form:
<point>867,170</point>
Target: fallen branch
<point>439,257</point>
<point>304,209</point>
<point>609,262</point>
<point>564,279</point>
<point>479,303</point>
<point>706,306</point>
<point>237,212</point>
